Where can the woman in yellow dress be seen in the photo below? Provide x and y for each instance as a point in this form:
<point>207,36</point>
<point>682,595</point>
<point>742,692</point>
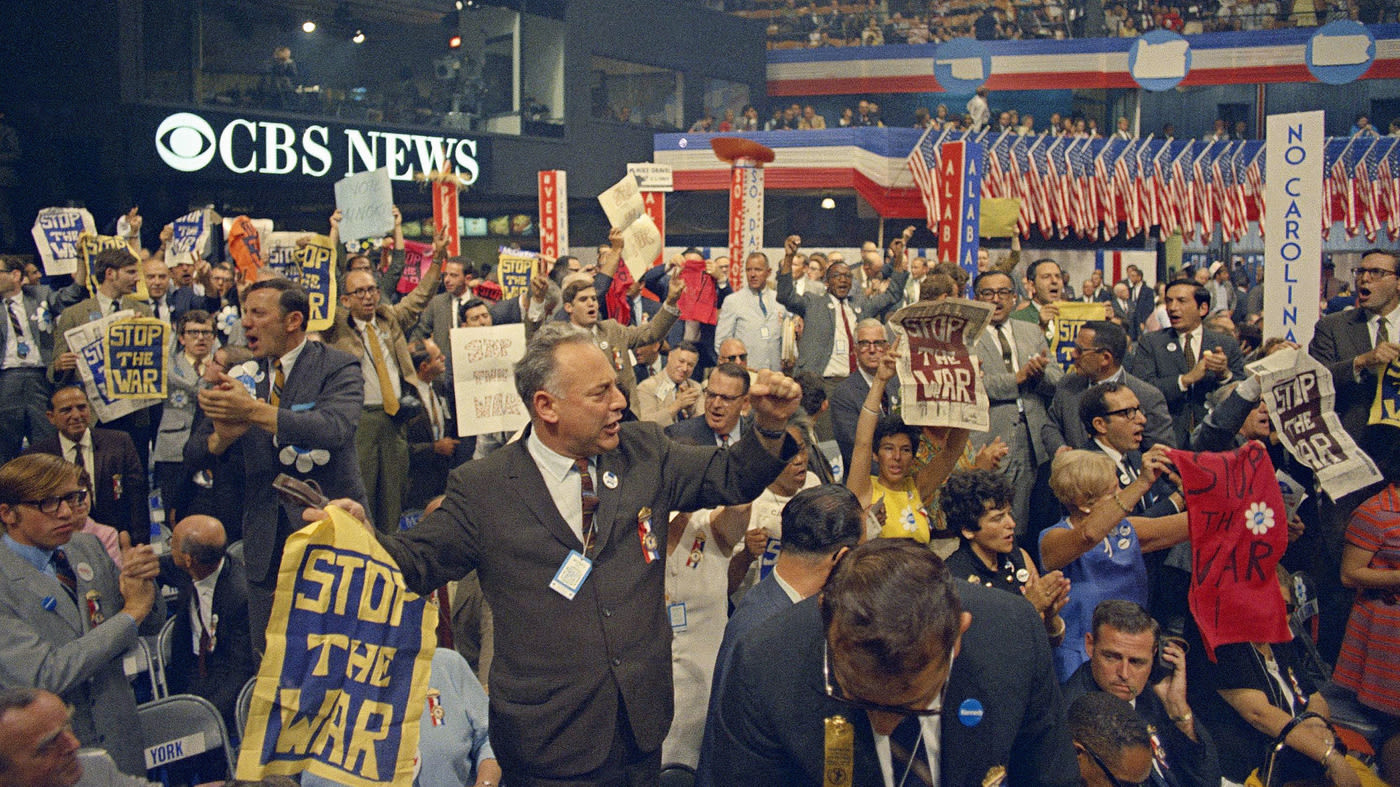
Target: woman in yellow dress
<point>882,463</point>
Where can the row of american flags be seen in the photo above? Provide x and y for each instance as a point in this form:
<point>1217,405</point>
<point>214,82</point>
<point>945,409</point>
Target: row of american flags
<point>1096,189</point>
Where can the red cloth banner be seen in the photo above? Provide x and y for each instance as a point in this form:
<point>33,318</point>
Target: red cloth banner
<point>700,301</point>
<point>245,246</point>
<point>445,214</point>
<point>554,213</point>
<point>655,203</point>
<point>1238,533</point>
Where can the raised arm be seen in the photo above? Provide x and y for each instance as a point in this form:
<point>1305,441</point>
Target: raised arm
<point>1060,547</point>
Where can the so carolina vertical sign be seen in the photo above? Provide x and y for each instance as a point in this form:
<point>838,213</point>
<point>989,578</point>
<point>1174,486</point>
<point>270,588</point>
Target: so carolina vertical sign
<point>960,203</point>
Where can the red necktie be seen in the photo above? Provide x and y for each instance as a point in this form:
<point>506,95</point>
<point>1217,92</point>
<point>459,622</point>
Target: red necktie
<point>850,340</point>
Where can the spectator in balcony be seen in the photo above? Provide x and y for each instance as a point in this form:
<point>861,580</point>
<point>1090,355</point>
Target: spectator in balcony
<point>979,111</point>
<point>792,118</point>
<point>1362,127</point>
<point>918,31</point>
<point>1241,130</point>
<point>811,121</point>
<point>775,123</point>
<point>1027,126</point>
<point>872,35</point>
<point>1055,124</point>
<point>921,118</point>
<point>728,123</point>
<point>864,115</point>
<point>1003,122</point>
<point>940,116</point>
<point>280,80</point>
<point>1395,128</point>
<point>847,118</point>
<point>749,119</point>
<point>1093,127</point>
<point>1305,13</point>
<point>985,28</point>
<point>1129,28</point>
<point>1168,131</point>
<point>1124,130</point>
<point>705,124</point>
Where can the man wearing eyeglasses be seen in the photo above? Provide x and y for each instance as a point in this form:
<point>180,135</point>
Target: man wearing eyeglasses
<point>895,674</point>
<point>1098,357</point>
<point>1115,421</point>
<point>1020,381</point>
<point>1357,344</point>
<point>66,613</point>
<point>374,332</point>
<point>1111,744</point>
<point>196,340</point>
<point>848,396</point>
<point>726,394</point>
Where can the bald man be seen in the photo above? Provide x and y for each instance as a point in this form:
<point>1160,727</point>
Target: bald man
<point>212,650</point>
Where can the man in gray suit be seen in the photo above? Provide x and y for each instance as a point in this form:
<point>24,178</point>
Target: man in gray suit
<point>66,614</point>
<point>1099,351</point>
<point>295,413</point>
<point>827,346</point>
<point>566,529</point>
<point>26,349</point>
<point>1020,380</point>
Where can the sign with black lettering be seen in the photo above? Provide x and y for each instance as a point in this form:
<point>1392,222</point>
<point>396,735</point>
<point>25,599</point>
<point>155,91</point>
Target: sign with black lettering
<point>89,341</point>
<point>1239,529</point>
<point>1385,409</point>
<point>56,232</point>
<point>134,352</point>
<point>89,246</point>
<point>366,205</point>
<point>1300,396</point>
<point>513,268</point>
<point>939,382</point>
<point>342,686</point>
<point>1072,317</point>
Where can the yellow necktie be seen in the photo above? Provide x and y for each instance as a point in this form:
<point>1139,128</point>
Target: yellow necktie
<point>391,402</point>
<point>274,394</point>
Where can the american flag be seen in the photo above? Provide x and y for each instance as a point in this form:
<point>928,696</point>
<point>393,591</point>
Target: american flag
<point>1237,194</point>
<point>1155,191</point>
<point>1021,176</point>
<point>1345,190</point>
<point>1108,215</point>
<point>1183,196</point>
<point>1365,187</point>
<point>1041,177</point>
<point>923,164</point>
<point>1222,173</point>
<point>1390,191</point>
<point>994,175</point>
<point>1254,176</point>
<point>1086,207</point>
<point>1204,189</point>
<point>1125,183</point>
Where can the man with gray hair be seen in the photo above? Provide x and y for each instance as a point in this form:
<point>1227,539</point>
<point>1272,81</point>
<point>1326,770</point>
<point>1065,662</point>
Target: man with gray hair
<point>567,528</point>
<point>38,747</point>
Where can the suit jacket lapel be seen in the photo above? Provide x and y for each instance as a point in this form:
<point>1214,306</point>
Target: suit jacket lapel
<point>537,498</point>
<point>26,581</point>
<point>610,503</point>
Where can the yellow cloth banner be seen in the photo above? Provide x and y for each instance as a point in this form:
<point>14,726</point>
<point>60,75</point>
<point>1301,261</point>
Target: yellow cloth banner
<point>134,352</point>
<point>1072,317</point>
<point>341,688</point>
<point>998,217</point>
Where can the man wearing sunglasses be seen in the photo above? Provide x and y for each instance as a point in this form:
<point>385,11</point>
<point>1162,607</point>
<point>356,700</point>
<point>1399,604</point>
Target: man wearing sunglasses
<point>895,674</point>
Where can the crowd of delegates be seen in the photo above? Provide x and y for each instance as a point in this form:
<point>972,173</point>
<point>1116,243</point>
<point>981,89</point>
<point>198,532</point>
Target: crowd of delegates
<point>793,23</point>
<point>755,475</point>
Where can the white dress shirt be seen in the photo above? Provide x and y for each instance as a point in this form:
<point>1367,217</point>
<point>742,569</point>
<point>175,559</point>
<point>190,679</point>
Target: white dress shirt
<point>562,480</point>
<point>11,358</point>
<point>202,608</point>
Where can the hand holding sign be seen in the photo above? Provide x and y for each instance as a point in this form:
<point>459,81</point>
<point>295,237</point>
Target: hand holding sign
<point>889,363</point>
<point>1379,357</point>
<point>1154,463</point>
<point>1049,312</point>
<point>674,290</point>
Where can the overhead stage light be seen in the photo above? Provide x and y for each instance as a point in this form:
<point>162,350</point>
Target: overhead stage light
<point>308,26</point>
<point>359,37</point>
<point>828,203</point>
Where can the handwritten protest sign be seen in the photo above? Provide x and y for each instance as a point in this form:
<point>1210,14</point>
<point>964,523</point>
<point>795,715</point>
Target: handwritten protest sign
<point>56,232</point>
<point>342,686</point>
<point>622,202</point>
<point>939,383</point>
<point>316,274</point>
<point>1300,396</point>
<point>89,341</point>
<point>1239,530</point>
<point>135,358</point>
<point>514,268</point>
<point>641,245</point>
<point>190,238</point>
<point>366,205</point>
<point>1072,318</point>
<point>482,361</point>
<point>1385,409</point>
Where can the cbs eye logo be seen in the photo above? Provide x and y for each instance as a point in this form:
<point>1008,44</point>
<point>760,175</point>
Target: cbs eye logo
<point>186,142</point>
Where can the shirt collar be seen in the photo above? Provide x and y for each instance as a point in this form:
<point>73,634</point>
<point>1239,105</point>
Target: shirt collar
<point>1196,334</point>
<point>1110,451</point>
<point>787,589</point>
<point>67,445</point>
<point>34,556</point>
<point>289,358</point>
<point>553,465</point>
<point>207,585</point>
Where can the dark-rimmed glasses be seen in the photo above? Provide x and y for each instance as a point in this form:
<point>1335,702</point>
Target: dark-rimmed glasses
<point>49,505</point>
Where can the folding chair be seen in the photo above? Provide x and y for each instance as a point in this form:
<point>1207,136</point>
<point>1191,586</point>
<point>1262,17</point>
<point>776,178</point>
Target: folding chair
<point>141,669</point>
<point>244,704</point>
<point>177,729</point>
<point>163,653</point>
